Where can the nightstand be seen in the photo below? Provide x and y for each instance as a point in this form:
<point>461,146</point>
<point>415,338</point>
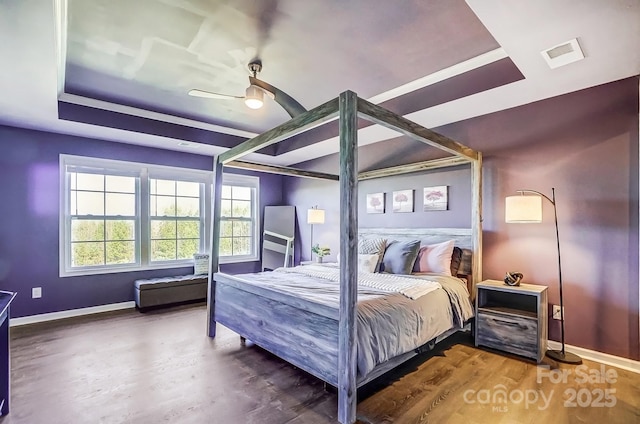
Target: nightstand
<point>512,318</point>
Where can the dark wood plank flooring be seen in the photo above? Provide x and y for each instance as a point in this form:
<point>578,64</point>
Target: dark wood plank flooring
<point>159,367</point>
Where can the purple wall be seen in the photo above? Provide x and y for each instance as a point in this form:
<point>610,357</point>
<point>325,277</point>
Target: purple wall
<point>585,144</point>
<point>29,189</point>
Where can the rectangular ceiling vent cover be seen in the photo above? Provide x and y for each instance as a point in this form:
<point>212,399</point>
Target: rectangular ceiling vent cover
<point>563,54</point>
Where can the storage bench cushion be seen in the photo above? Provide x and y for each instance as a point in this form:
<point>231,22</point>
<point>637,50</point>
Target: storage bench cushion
<point>164,282</point>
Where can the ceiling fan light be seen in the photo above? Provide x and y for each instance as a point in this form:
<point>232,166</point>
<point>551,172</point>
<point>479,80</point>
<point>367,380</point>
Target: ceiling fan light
<point>254,97</point>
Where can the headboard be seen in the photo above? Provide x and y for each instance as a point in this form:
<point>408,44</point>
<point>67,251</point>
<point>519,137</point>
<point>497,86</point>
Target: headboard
<point>462,237</point>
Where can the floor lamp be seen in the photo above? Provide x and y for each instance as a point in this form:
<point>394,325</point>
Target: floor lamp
<point>527,208</point>
<point>314,216</point>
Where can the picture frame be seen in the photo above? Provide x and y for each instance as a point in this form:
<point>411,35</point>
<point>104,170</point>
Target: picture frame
<point>403,201</point>
<point>435,198</point>
<point>375,203</point>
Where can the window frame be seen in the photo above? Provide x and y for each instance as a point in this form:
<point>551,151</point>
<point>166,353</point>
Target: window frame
<point>143,172</point>
<point>252,182</point>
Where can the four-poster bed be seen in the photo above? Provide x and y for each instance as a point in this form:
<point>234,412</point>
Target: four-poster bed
<point>312,334</point>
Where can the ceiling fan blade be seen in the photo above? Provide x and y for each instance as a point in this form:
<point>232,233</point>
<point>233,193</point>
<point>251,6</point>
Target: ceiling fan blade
<point>287,102</point>
<point>210,95</point>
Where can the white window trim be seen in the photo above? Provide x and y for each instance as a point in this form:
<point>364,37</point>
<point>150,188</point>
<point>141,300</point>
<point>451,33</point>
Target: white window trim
<point>143,170</point>
<point>253,182</point>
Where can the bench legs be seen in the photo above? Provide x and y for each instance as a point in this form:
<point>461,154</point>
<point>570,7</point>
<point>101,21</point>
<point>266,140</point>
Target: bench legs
<point>243,341</point>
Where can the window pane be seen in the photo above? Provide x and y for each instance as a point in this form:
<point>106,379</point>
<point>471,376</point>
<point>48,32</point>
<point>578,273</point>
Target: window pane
<point>163,206</point>
<point>87,230</point>
<point>188,189</point>
<point>90,203</point>
<point>93,182</point>
<point>120,184</point>
<point>226,229</point>
<point>189,229</point>
<point>186,248</point>
<point>121,204</point>
<point>86,254</point>
<point>241,193</point>
<point>226,208</point>
<point>72,180</point>
<point>241,246</point>
<point>120,230</point>
<point>226,192</point>
<point>188,206</point>
<point>120,252</point>
<point>241,209</point>
<point>167,187</point>
<point>163,229</point>
<point>163,250</point>
<point>226,246</point>
<point>73,203</point>
<point>241,228</point>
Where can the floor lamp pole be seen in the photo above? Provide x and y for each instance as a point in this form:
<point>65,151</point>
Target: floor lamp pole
<point>560,355</point>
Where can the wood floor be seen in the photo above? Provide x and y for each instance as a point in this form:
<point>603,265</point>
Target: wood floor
<point>159,367</point>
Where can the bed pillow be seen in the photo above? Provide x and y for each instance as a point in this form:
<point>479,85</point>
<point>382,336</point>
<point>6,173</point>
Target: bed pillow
<point>367,263</point>
<point>399,257</point>
<point>373,246</point>
<point>435,258</point>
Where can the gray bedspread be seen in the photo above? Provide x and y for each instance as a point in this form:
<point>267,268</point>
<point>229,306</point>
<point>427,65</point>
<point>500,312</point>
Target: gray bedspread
<point>388,324</point>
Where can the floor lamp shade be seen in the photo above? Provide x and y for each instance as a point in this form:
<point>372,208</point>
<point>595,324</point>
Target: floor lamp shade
<point>315,216</point>
<point>523,209</point>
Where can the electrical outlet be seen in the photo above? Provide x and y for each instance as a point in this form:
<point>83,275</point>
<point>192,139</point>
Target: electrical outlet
<point>556,312</point>
<point>36,292</point>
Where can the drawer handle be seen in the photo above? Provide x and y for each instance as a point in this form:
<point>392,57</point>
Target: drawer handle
<point>511,323</point>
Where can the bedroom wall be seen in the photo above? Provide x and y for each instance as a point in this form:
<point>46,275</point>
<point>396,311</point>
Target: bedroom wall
<point>585,144</point>
<point>29,193</point>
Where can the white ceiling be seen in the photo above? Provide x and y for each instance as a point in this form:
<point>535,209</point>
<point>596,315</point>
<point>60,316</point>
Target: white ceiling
<point>608,32</point>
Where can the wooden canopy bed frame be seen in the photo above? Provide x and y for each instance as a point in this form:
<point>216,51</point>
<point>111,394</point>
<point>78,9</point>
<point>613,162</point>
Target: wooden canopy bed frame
<point>333,330</point>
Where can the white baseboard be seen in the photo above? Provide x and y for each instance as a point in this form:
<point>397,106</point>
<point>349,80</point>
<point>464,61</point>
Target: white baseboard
<point>32,319</point>
<point>603,358</point>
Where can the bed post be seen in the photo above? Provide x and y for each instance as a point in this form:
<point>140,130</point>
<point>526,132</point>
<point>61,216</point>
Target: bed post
<point>347,388</point>
<point>215,247</point>
<point>476,221</point>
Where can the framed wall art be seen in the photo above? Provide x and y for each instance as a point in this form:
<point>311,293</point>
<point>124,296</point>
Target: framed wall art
<point>375,203</point>
<point>403,201</point>
<point>435,198</point>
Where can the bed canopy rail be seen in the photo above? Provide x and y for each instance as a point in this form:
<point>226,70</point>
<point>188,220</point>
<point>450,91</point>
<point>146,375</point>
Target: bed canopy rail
<point>348,108</point>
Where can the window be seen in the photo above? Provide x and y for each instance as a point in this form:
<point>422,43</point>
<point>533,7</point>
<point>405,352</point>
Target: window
<point>239,218</point>
<point>123,216</point>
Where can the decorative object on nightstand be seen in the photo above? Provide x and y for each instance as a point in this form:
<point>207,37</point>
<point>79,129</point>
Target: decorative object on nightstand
<point>513,278</point>
<point>528,209</point>
<point>320,252</point>
<point>512,318</point>
<point>314,216</point>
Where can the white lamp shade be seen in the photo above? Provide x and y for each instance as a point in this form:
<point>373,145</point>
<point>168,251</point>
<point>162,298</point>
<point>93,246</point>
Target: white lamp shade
<point>254,97</point>
<point>523,209</point>
<point>315,216</point>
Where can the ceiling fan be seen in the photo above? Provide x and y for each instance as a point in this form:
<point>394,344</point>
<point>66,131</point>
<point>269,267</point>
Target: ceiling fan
<point>254,95</point>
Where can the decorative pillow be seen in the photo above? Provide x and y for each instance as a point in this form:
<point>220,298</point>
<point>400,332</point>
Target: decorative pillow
<point>367,263</point>
<point>373,246</point>
<point>456,258</point>
<point>399,257</point>
<point>435,258</point>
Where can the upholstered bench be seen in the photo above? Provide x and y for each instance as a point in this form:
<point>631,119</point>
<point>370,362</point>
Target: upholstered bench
<point>167,290</point>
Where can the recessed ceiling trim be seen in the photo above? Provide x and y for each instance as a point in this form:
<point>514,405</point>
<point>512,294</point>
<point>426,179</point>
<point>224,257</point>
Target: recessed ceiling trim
<point>60,26</point>
<point>441,75</point>
<point>129,110</point>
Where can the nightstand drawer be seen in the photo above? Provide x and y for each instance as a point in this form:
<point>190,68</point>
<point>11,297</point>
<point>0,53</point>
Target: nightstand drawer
<point>511,333</point>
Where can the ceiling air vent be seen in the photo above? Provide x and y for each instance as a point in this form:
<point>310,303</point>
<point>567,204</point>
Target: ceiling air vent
<point>563,54</point>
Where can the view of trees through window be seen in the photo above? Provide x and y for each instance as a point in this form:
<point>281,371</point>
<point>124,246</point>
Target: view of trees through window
<point>236,221</point>
<point>103,210</point>
<point>175,219</point>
